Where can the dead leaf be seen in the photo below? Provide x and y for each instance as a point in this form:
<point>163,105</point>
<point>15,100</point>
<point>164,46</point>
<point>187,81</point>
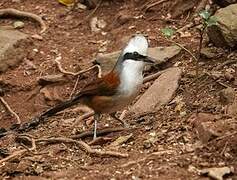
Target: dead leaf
<point>120,140</point>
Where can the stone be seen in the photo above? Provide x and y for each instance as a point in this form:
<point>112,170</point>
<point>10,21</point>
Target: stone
<point>97,24</point>
<point>207,131</point>
<point>161,54</point>
<point>18,24</point>
<point>210,126</point>
<point>227,96</point>
<point>232,109</point>
<point>224,33</point>
<point>217,172</point>
<point>12,48</point>
<point>159,93</point>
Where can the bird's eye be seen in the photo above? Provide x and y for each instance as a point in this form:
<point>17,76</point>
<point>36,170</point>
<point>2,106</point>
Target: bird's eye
<point>135,53</point>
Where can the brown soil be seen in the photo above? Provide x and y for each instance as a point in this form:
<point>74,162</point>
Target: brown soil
<point>176,137</point>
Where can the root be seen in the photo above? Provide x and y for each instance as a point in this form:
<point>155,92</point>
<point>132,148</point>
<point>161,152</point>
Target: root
<point>62,70</point>
<point>17,13</point>
<point>10,110</point>
<point>20,152</point>
<point>84,146</point>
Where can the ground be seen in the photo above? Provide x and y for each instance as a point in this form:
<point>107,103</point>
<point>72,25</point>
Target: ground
<point>176,150</point>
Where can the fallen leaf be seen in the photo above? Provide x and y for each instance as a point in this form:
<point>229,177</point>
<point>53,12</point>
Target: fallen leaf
<point>120,140</point>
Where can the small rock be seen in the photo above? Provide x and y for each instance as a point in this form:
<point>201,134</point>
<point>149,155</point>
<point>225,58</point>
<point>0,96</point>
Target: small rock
<point>96,24</point>
<point>123,18</point>
<point>207,131</point>
<point>50,95</point>
<point>30,65</point>
<point>18,24</point>
<point>229,76</point>
<point>81,6</point>
<point>50,79</point>
<point>209,126</point>
<point>227,96</point>
<point>217,173</point>
<point>232,109</point>
<point>38,37</point>
<point>12,48</point>
<point>159,93</point>
<point>224,33</point>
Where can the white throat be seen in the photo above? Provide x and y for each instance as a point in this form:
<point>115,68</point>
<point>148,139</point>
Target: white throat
<point>131,77</point>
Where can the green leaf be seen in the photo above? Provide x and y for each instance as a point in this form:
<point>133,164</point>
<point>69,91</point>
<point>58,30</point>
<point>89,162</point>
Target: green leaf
<point>167,32</point>
<point>211,21</point>
<point>205,14</point>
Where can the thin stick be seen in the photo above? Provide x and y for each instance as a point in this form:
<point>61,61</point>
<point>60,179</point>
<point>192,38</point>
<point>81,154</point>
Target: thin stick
<point>15,154</point>
<point>84,146</point>
<point>10,110</point>
<point>149,6</point>
<point>20,152</point>
<point>181,46</point>
<point>74,88</point>
<point>17,13</point>
<point>84,116</point>
<point>153,76</point>
<point>226,63</point>
<point>59,65</point>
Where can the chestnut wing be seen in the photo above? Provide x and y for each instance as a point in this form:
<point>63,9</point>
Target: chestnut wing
<point>106,86</point>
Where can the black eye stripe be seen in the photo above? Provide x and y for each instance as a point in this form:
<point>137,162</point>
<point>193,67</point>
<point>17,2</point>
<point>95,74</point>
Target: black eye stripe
<point>134,55</point>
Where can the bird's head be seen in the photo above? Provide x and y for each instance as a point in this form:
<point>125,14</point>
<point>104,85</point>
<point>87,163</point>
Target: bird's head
<point>134,56</point>
<point>136,50</point>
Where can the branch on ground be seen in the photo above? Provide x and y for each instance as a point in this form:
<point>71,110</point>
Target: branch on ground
<point>23,14</point>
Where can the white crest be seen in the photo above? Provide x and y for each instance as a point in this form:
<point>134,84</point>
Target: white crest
<point>138,43</point>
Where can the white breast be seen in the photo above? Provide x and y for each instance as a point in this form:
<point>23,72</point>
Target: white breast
<point>131,78</point>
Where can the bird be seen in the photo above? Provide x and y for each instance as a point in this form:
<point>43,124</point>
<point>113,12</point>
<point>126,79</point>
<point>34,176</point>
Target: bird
<point>117,89</point>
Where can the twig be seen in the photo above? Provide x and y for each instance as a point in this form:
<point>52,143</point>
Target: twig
<point>181,46</point>
<point>74,88</point>
<point>89,16</point>
<point>10,110</point>
<point>232,61</point>
<point>84,146</point>
<point>153,76</point>
<point>15,154</point>
<point>149,6</point>
<point>121,117</point>
<point>224,149</point>
<point>20,152</point>
<point>84,116</point>
<point>99,132</point>
<point>17,13</point>
<point>59,65</point>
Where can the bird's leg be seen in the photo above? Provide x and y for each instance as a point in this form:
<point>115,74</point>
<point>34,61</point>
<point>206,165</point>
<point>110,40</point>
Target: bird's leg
<point>113,115</point>
<point>96,118</point>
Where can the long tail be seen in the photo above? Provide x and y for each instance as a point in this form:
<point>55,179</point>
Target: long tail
<point>33,123</point>
<point>60,107</point>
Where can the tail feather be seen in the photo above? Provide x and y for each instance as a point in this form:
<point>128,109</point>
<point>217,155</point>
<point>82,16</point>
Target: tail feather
<point>60,107</point>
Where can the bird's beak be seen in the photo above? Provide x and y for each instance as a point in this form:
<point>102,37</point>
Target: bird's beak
<point>150,60</point>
